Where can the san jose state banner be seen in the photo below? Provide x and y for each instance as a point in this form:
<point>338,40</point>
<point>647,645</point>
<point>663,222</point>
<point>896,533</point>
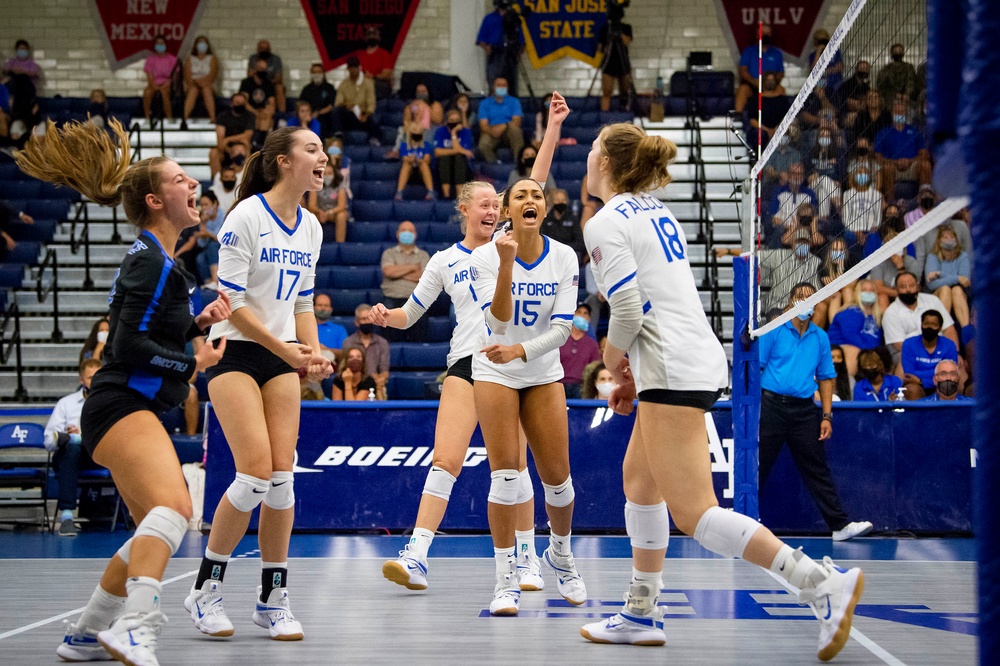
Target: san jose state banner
<point>338,26</point>
<point>555,29</point>
<point>128,27</point>
<point>792,23</point>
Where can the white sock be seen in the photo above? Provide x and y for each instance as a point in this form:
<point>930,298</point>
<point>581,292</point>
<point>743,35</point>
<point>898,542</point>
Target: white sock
<point>273,565</point>
<point>420,542</point>
<point>216,557</point>
<point>504,560</point>
<point>643,591</point>
<point>560,544</point>
<point>143,595</point>
<point>102,610</point>
<point>66,515</point>
<point>525,543</point>
<point>797,568</point>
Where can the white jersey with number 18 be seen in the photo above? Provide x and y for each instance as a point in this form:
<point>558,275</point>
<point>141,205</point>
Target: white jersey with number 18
<point>636,243</point>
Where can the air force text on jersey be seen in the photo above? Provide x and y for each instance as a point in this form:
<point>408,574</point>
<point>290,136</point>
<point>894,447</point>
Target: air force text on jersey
<point>276,255</point>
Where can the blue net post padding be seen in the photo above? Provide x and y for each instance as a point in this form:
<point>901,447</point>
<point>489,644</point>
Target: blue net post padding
<point>746,394</point>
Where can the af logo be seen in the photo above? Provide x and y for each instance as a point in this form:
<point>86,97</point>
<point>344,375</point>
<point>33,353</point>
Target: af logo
<point>20,434</point>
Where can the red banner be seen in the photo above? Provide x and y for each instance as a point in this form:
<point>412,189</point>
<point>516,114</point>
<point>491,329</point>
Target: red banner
<point>792,22</point>
<point>338,26</point>
<point>128,27</point>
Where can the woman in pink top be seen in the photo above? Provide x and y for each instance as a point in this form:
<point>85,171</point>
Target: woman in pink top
<point>158,69</point>
<point>23,63</point>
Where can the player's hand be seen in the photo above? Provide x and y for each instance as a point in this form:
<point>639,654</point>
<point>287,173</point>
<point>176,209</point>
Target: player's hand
<point>507,249</point>
<point>216,311</point>
<point>501,354</point>
<point>380,315</point>
<point>622,398</point>
<point>209,355</point>
<point>825,430</point>
<point>319,369</point>
<point>72,430</point>
<point>558,109</point>
<point>295,355</point>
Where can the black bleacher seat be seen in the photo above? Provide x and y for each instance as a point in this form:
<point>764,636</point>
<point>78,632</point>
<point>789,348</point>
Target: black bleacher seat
<point>47,209</point>
<point>20,189</point>
<point>391,105</point>
<point>41,231</point>
<point>577,153</point>
<point>396,355</point>
<point>345,300</point>
<point>413,210</point>
<point>25,252</point>
<point>382,171</point>
<point>11,275</point>
<point>445,233</point>
<point>583,104</point>
<point>372,210</point>
<point>426,355</point>
<point>129,106</point>
<point>374,189</point>
<point>439,328</point>
<point>50,191</point>
<point>701,84</point>
<point>388,135</point>
<point>9,171</point>
<point>392,119</point>
<point>329,254</point>
<point>409,385</point>
<point>348,277</point>
<point>370,232</point>
<point>359,254</point>
<point>572,187</point>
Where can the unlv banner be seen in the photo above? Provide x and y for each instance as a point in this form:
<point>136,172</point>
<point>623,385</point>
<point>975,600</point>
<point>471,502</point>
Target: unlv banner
<point>128,27</point>
<point>554,29</point>
<point>792,23</point>
<point>338,26</point>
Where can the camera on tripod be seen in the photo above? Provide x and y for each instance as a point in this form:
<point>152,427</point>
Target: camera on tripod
<point>511,19</point>
<point>616,12</point>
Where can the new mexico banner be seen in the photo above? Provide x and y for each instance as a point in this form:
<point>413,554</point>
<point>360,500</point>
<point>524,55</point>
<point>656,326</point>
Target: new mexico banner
<point>555,29</point>
<point>128,27</point>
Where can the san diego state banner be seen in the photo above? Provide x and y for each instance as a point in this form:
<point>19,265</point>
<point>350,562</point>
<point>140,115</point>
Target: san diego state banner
<point>128,27</point>
<point>338,26</point>
<point>555,29</point>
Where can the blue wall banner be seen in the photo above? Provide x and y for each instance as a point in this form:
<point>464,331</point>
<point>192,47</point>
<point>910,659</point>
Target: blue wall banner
<point>555,29</point>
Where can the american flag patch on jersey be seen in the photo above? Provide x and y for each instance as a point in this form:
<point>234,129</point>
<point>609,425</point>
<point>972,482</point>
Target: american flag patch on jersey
<point>576,280</point>
<point>596,255</point>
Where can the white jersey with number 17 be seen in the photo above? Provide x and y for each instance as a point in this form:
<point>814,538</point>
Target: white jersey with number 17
<point>636,243</point>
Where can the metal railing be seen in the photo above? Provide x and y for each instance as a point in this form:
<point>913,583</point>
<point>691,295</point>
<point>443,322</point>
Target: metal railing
<point>82,218</point>
<point>42,291</point>
<point>13,313</point>
<point>706,225</point>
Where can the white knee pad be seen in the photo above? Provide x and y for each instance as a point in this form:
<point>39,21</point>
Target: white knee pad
<point>165,524</point>
<point>246,492</point>
<point>281,493</point>
<point>439,483</point>
<point>125,551</point>
<point>561,495</point>
<point>525,490</point>
<point>504,485</point>
<point>648,526</point>
<point>725,532</point>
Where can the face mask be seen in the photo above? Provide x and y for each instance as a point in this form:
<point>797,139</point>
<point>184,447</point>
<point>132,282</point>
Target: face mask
<point>861,179</point>
<point>897,57</point>
<point>949,245</point>
<point>822,42</point>
<point>22,53</point>
<point>559,208</point>
<point>581,323</point>
<point>366,329</point>
<point>238,109</point>
<point>766,40</point>
<point>821,83</point>
<point>869,297</point>
<point>871,374</point>
<point>927,203</point>
<point>929,334</point>
<point>323,315</point>
<point>202,47</point>
<point>452,125</point>
<point>102,336</point>
<point>261,74</point>
<point>784,140</point>
<point>371,42</point>
<point>501,92</point>
<point>801,251</point>
<point>354,364</point>
<point>805,316</point>
<point>863,76</point>
<point>604,389</point>
<point>908,299</point>
<point>862,151</point>
<point>836,255</point>
<point>238,160</point>
<point>160,48</point>
<point>947,387</point>
<point>228,184</point>
<point>317,79</point>
<point>805,220</point>
<point>824,141</point>
<point>264,55</point>
<point>899,119</point>
<point>422,96</point>
<point>529,162</point>
<point>548,104</point>
<point>894,222</point>
<point>407,237</point>
<point>328,180</point>
<point>333,151</point>
<point>417,137</point>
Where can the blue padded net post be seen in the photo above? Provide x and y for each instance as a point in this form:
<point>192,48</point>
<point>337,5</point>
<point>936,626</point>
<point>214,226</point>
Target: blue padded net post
<point>746,393</point>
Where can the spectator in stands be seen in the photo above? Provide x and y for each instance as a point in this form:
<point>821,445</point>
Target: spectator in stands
<point>186,250</point>
<point>97,110</point>
<point>453,148</point>
<point>780,268</point>
<point>902,319</point>
<point>863,204</point>
<point>897,78</point>
<point>795,360</point>
<point>886,274</point>
<point>331,205</point>
<point>921,353</point>
<point>158,68</point>
<point>892,224</point>
<point>415,157</point>
<point>871,119</point>
<point>926,200</point>
<point>336,152</point>
<point>851,97</point>
<point>23,64</point>
<point>201,71</point>
<point>862,156</point>
<point>320,94</point>
<point>423,110</point>
<point>23,81</point>
<point>4,115</point>
<point>212,217</point>
<point>224,186</point>
<point>374,346</point>
<point>749,69</point>
<point>500,122</point>
<point>233,126</point>
<point>948,273</point>
<point>579,351</point>
<point>522,169</point>
<point>805,227</point>
<point>503,50</point>
<point>304,117</point>
<point>561,225</point>
<point>946,379</point>
<point>462,103</point>
<point>7,242</point>
<point>785,203</point>
<point>93,346</point>
<point>783,158</point>
<point>261,97</point>
<point>834,73</point>
<point>875,385</point>
<point>858,326</point>
<point>826,158</point>
<point>331,334</point>
<point>835,264</point>
<point>828,212</point>
<point>816,104</point>
<point>901,147</point>
<point>923,246</point>
<point>541,121</point>
<point>615,65</point>
<point>774,106</point>
<point>376,62</point>
<point>62,438</point>
<point>353,381</point>
<point>402,266</point>
<point>355,103</point>
<point>274,71</point>
<point>843,384</point>
<point>597,382</point>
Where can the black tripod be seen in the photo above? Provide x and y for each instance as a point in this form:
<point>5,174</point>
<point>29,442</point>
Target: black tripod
<point>617,50</point>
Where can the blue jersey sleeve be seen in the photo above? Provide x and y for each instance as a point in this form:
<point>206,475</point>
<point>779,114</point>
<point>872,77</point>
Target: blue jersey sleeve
<point>908,355</point>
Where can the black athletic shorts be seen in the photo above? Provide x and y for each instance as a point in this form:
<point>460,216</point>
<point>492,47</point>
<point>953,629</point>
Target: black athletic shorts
<point>702,400</point>
<point>251,359</point>
<point>462,368</point>
<point>103,408</point>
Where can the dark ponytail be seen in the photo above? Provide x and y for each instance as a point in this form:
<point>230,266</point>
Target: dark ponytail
<point>260,173</point>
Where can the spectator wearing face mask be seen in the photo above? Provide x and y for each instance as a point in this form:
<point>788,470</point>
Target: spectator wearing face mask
<point>948,273</point>
<point>926,200</point>
<point>158,68</point>
<point>843,385</point>
<point>415,158</point>
<point>805,227</point>
<point>336,152</point>
<point>522,169</point>
<point>858,327</point>
<point>233,126</point>
<point>93,346</point>
<point>850,98</point>
<point>782,159</point>
<point>402,266</point>
<point>579,351</point>
<point>331,205</point>
<point>922,353</point>
<point>260,95</point>
<point>902,149</point>
<point>453,148</point>
<point>376,62</point>
<point>946,383</point>
<point>780,268</point>
<point>750,67</point>
<point>22,64</point>
<point>898,77</point>
<point>422,110</point>
<point>320,94</point>
<point>374,346</point>
<point>560,224</point>
<point>97,111</point>
<point>886,274</point>
<point>212,217</point>
<point>875,385</point>
<point>331,334</point>
<point>924,246</point>
<point>873,117</point>
<point>500,122</point>
<point>826,157</point>
<point>201,70</point>
<point>902,319</point>
<point>835,263</point>
<point>273,71</point>
<point>224,187</point>
<point>863,203</point>
<point>597,382</point>
<point>774,105</point>
<point>353,382</point>
<point>785,202</point>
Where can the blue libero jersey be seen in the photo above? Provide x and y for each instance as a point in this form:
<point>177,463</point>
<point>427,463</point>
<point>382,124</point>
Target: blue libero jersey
<point>151,320</point>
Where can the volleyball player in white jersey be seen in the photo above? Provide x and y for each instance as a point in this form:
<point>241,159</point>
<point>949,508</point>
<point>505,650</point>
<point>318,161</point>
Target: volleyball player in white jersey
<point>676,367</point>
<point>267,266</point>
<point>449,271</point>
<point>529,286</point>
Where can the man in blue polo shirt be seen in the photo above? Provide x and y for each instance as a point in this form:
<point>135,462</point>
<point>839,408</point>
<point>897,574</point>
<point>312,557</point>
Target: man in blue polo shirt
<point>902,147</point>
<point>922,353</point>
<point>331,335</point>
<point>793,358</point>
<point>946,383</point>
<point>749,69</point>
<point>500,122</point>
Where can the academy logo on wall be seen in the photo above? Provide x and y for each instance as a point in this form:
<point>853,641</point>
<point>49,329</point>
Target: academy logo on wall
<point>555,29</point>
<point>128,27</point>
<point>338,26</point>
<point>792,23</point>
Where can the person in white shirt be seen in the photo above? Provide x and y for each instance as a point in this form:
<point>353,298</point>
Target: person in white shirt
<point>267,267</point>
<point>62,438</point>
<point>677,369</point>
<point>451,271</point>
<point>863,205</point>
<point>902,318</point>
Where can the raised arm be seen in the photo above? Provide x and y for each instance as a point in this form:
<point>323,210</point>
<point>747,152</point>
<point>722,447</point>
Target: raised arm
<point>558,110</point>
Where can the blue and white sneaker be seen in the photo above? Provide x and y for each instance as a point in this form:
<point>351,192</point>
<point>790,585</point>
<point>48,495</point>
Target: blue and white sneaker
<point>529,573</point>
<point>407,570</point>
<point>132,638</point>
<point>207,613</point>
<point>80,644</point>
<point>276,616</point>
<point>568,579</point>
<point>833,602</point>
<point>625,628</point>
<point>506,595</point>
